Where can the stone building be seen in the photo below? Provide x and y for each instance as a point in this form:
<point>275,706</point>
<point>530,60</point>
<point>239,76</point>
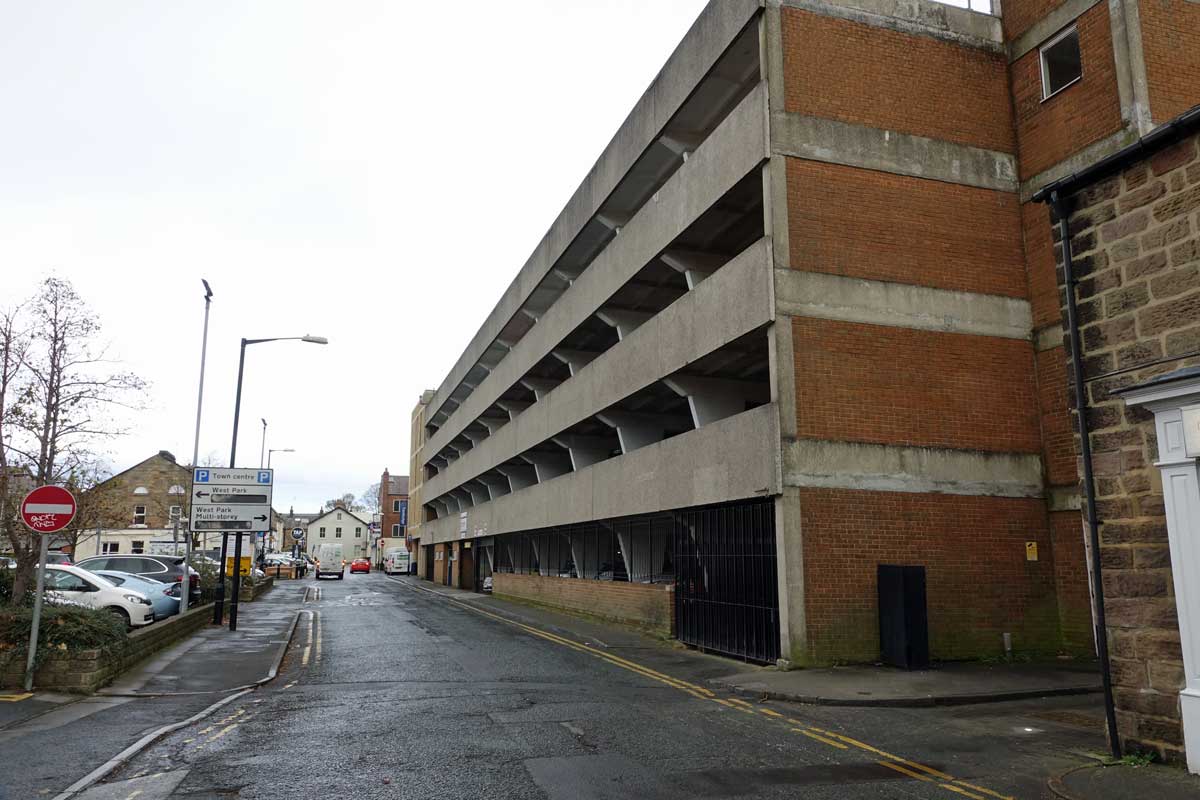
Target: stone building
<point>136,510</point>
<point>1134,231</point>
<point>800,321</point>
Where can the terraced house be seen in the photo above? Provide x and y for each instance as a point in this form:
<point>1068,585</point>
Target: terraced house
<point>800,320</point>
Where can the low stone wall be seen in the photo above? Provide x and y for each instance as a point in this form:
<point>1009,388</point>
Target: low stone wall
<point>88,670</point>
<point>644,605</point>
<point>248,594</point>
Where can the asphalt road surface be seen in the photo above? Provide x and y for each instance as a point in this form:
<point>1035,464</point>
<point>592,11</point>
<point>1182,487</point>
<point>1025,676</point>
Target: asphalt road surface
<point>390,691</point>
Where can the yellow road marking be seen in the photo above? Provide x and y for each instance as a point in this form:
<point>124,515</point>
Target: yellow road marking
<point>908,772</point>
<point>988,792</point>
<point>822,739</point>
<point>741,705</point>
<point>222,732</point>
<point>289,685</point>
<point>15,698</point>
<point>319,626</point>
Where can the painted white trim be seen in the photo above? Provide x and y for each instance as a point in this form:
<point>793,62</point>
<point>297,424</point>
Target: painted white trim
<point>1073,28</point>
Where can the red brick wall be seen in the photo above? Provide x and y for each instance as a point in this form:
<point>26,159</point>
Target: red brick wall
<point>645,605</point>
<point>870,383</point>
<point>1054,405</point>
<point>1171,38</point>
<point>858,73</point>
<point>1089,110</point>
<point>1019,15</point>
<point>979,584</point>
<point>1039,254</point>
<point>1071,581</point>
<point>874,225</point>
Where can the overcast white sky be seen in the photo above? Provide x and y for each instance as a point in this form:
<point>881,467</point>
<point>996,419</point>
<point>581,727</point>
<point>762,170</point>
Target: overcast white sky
<point>373,172</point>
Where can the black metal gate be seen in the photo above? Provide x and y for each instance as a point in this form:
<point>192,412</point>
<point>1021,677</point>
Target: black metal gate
<point>726,590</point>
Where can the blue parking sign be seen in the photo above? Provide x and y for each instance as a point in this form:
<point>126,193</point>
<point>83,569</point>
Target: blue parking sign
<point>201,476</point>
<point>264,477</point>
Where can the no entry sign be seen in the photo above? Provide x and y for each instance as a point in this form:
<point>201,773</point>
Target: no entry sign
<point>48,509</point>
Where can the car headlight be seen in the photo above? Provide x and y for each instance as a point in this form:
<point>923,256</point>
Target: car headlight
<point>133,598</point>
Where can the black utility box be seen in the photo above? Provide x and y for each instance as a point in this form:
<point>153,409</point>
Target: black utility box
<point>903,621</point>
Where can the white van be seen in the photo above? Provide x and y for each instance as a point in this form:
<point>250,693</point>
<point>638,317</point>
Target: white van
<point>396,561</point>
<point>329,560</point>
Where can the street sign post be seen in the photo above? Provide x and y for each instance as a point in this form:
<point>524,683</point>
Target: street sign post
<point>45,510</point>
<point>228,500</point>
<point>298,534</point>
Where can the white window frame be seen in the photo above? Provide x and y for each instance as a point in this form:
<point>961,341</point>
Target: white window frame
<point>337,533</point>
<point>357,532</point>
<point>110,548</point>
<point>396,531</point>
<point>137,514</point>
<point>176,512</point>
<point>137,546</point>
<point>1073,28</point>
<point>395,506</point>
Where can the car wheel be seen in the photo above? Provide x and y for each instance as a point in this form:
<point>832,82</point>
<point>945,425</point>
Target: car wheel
<point>123,615</point>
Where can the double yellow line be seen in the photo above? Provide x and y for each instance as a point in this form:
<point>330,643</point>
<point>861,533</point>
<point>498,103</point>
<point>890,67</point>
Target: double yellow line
<point>904,766</point>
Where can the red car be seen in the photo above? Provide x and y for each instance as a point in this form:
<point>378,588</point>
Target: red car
<point>360,565</point>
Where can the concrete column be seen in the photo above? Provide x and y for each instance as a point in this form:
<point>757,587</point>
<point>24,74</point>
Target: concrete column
<point>633,430</point>
<point>712,399</point>
<point>548,465</point>
<point>493,424</point>
<point>540,386</point>
<point>575,359</point>
<point>513,407</point>
<point>548,548</point>
<point>584,450</point>
<point>625,321</point>
<point>478,491</point>
<point>644,553</point>
<point>694,265</point>
<point>586,555</point>
<point>519,477</point>
<point>476,436</point>
<point>497,485</point>
<point>1175,400</point>
<point>464,498</point>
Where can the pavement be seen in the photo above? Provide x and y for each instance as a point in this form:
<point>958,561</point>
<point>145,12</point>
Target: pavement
<point>1124,782</point>
<point>57,739</point>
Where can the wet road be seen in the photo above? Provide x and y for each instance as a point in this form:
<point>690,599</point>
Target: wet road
<point>389,691</point>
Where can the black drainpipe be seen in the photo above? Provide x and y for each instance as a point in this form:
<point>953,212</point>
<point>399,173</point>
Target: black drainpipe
<point>1089,483</point>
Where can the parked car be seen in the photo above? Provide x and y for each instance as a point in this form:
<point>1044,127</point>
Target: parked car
<point>75,585</point>
<point>7,563</point>
<point>162,601</point>
<point>168,569</point>
<point>57,558</point>
<point>360,565</point>
<point>487,583</point>
<point>329,560</point>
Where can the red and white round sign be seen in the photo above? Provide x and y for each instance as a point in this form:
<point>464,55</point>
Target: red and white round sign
<point>48,509</point>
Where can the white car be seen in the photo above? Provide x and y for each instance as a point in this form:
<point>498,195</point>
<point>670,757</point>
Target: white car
<point>76,585</point>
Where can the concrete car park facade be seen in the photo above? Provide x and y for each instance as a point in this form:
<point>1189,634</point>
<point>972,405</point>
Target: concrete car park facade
<point>806,275</point>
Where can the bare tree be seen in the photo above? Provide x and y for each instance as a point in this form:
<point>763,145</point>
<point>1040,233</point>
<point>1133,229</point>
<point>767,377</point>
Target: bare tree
<point>65,389</point>
<point>369,500</point>
<point>346,501</point>
<point>15,478</point>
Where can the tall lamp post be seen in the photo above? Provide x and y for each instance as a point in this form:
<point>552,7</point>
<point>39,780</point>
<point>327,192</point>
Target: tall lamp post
<point>277,450</point>
<point>237,547</point>
<point>185,584</point>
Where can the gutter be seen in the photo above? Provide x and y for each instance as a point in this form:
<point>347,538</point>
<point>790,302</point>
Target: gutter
<point>1089,482</point>
<point>1161,137</point>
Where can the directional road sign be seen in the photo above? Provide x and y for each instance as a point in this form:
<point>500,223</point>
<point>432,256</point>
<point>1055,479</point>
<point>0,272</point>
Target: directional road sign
<point>231,500</point>
<point>48,509</point>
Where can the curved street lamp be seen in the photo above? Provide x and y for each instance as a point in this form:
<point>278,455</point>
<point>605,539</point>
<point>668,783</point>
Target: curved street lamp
<point>237,407</point>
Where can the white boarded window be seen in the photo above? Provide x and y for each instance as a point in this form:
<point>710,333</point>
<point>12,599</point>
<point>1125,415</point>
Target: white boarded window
<point>1061,63</point>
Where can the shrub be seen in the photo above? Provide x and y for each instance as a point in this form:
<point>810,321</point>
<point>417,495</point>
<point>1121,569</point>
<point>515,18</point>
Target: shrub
<point>64,629</point>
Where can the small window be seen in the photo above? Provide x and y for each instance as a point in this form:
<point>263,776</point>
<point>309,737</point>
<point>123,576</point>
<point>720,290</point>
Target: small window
<point>139,515</point>
<point>176,513</point>
<point>1061,63</point>
<point>110,547</point>
<point>339,515</point>
<point>176,489</point>
<point>395,531</point>
<point>358,533</point>
<point>137,547</point>
<point>141,490</point>
<point>396,506</point>
<point>337,532</point>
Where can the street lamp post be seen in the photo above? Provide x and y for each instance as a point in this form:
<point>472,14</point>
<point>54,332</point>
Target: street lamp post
<point>237,547</point>
<point>277,450</point>
<point>185,585</point>
<point>262,451</point>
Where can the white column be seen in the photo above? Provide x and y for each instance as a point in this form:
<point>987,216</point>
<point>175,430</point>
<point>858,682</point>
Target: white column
<point>1175,401</point>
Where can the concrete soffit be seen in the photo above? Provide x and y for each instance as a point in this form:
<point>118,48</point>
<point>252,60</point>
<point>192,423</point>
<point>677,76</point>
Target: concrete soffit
<point>835,297</point>
<point>848,144</point>
<point>918,17</point>
<point>814,463</point>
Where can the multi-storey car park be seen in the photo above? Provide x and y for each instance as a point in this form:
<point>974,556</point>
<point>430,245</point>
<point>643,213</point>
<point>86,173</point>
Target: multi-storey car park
<point>801,319</point>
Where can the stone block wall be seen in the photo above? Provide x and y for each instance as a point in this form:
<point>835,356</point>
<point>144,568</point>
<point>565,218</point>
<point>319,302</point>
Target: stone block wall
<point>1136,245</point>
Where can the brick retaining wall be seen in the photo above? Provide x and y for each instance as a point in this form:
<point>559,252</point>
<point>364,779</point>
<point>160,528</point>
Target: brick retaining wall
<point>644,605</point>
